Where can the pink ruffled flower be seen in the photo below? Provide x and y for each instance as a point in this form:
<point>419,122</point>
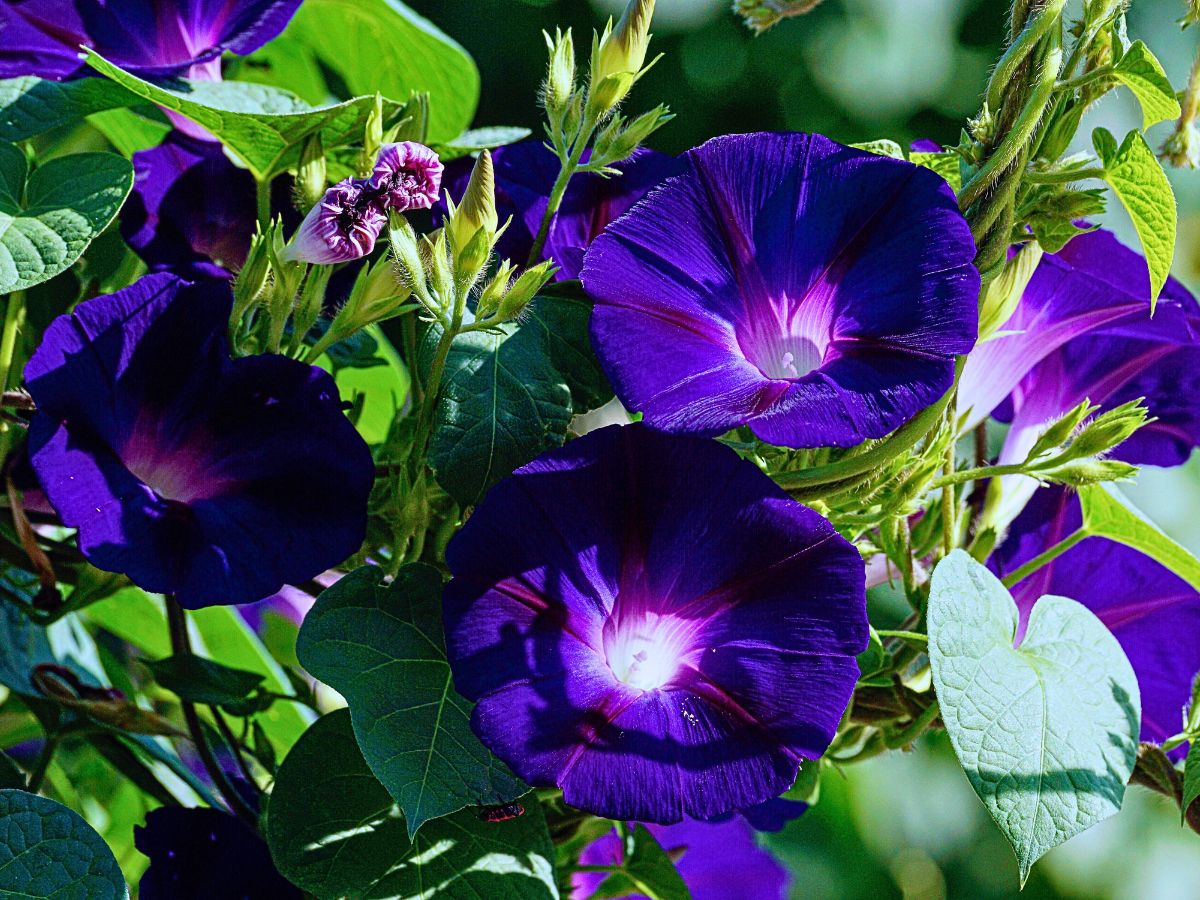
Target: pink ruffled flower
<point>408,175</point>
<point>342,227</point>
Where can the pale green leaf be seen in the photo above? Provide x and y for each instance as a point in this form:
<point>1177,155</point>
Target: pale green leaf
<point>1137,178</point>
<point>1046,731</point>
<point>47,219</point>
<point>49,852</point>
<point>481,139</point>
<point>1141,72</point>
<point>382,648</point>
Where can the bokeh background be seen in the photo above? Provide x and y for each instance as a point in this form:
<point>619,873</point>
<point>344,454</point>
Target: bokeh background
<point>903,825</point>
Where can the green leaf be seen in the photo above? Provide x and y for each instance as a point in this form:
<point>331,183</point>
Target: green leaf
<point>382,648</point>
<point>1191,778</point>
<point>1142,73</point>
<point>1137,178</point>
<point>48,851</point>
<point>30,106</point>
<point>129,131</point>
<point>807,787</point>
<point>333,829</point>
<point>481,139</point>
<point>650,869</point>
<point>1107,513</point>
<point>1046,732</point>
<point>562,310</point>
<point>383,387</point>
<point>201,680</point>
<point>380,45</point>
<point>48,219</point>
<point>263,126</point>
<point>881,147</point>
<point>945,164</point>
<point>502,403</point>
<point>873,662</point>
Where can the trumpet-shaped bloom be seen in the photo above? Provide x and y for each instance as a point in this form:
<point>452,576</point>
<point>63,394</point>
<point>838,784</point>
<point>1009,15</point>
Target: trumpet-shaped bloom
<point>214,479</point>
<point>205,854</point>
<point>717,861</point>
<point>654,651</point>
<point>525,174</point>
<point>816,293</point>
<point>151,37</point>
<point>1152,612</point>
<point>408,174</point>
<point>342,227</point>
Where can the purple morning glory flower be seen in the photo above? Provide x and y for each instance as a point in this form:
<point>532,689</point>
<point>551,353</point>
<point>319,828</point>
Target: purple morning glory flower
<point>1083,330</point>
<point>214,479</point>
<point>408,174</point>
<point>150,37</point>
<point>717,861</point>
<point>205,854</point>
<point>525,173</point>
<point>654,652</point>
<point>1152,612</point>
<point>342,227</point>
<point>816,293</point>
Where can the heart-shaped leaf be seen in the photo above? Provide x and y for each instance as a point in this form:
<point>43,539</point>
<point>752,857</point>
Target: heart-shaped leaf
<point>382,648</point>
<point>1141,72</point>
<point>30,106</point>
<point>48,851</point>
<point>1046,731</point>
<point>48,219</point>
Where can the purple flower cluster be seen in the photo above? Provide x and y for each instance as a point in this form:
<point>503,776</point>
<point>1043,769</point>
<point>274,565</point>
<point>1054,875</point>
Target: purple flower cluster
<point>345,224</point>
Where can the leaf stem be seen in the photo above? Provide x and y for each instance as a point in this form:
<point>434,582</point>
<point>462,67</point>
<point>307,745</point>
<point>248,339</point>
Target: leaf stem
<point>262,200</point>
<point>1045,557</point>
<point>565,173</point>
<point>14,321</point>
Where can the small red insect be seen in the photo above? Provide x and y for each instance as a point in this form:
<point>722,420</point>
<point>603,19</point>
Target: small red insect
<point>501,813</point>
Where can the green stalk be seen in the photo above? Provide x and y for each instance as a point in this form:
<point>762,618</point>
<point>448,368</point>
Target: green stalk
<point>1018,51</point>
<point>14,321</point>
<point>1045,557</point>
<point>262,199</point>
<point>560,187</point>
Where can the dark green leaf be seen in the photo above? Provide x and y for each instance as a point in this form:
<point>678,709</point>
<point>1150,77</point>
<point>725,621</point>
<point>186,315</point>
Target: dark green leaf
<point>30,105</point>
<point>383,649</point>
<point>334,830</point>
<point>563,311</point>
<point>872,662</point>
<point>48,851</point>
<point>649,867</point>
<point>1191,777</point>
<point>202,680</point>
<point>48,219</point>
<point>11,775</point>
<point>263,126</point>
<point>1047,732</point>
<point>502,403</point>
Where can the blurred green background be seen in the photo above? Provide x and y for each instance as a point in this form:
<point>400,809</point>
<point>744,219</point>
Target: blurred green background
<point>904,825</point>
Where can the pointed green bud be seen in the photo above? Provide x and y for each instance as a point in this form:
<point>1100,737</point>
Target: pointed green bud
<point>1109,429</point>
<point>560,75</point>
<point>493,292</point>
<point>311,174</point>
<point>376,296</point>
<point>372,137</point>
<point>312,301</point>
<point>1091,471</point>
<point>440,266</point>
<point>1192,16</point>
<point>759,15</point>
<point>252,279</point>
<point>1005,292</point>
<point>622,50</point>
<point>521,294</point>
<point>625,140</point>
<point>473,223</point>
<point>1059,432</point>
<point>406,249</point>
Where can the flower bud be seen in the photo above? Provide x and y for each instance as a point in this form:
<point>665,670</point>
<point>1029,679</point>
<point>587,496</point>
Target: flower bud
<point>253,277</point>
<point>623,141</point>
<point>1004,293</point>
<point>521,294</point>
<point>342,227</point>
<point>560,75</point>
<point>473,223</point>
<point>408,176</point>
<point>623,49</point>
<point>311,177</point>
<point>405,249</point>
<point>759,15</point>
<point>1091,471</point>
<point>493,292</point>
<point>1181,149</point>
<point>372,135</point>
<point>312,301</point>
<point>1192,16</point>
<point>376,295</point>
<point>440,266</point>
<point>1059,432</point>
<point>1109,429</point>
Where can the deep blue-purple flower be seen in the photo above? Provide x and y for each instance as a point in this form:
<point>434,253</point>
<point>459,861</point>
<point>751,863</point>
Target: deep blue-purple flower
<point>718,861</point>
<point>525,174</point>
<point>215,479</point>
<point>151,37</point>
<point>816,293</point>
<point>1153,613</point>
<point>654,650</point>
<point>205,854</point>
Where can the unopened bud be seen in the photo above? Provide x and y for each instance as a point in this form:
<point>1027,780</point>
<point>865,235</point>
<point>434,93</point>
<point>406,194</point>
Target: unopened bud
<point>626,141</point>
<point>1109,429</point>
<point>311,177</point>
<point>372,136</point>
<point>473,223</point>
<point>495,289</point>
<point>759,15</point>
<point>1192,16</point>
<point>405,249</point>
<point>1059,432</point>
<point>312,301</point>
<point>525,289</point>
<point>560,75</point>
<point>440,266</point>
<point>1091,471</point>
<point>376,296</point>
<point>1005,292</point>
<point>619,55</point>
<point>253,277</point>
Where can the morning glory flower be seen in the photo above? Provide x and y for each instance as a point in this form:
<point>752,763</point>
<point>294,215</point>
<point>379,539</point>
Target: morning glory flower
<point>343,226</point>
<point>817,293</point>
<point>150,37</point>
<point>214,479</point>
<point>717,861</point>
<point>408,174</point>
<point>1152,612</point>
<point>206,853</point>
<point>654,652</point>
<point>524,175</point>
